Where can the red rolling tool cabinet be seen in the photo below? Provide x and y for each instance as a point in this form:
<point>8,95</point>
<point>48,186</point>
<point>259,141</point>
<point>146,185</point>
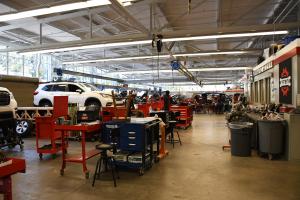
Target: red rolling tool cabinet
<point>85,155</point>
<point>15,166</point>
<point>45,128</point>
<point>186,115</point>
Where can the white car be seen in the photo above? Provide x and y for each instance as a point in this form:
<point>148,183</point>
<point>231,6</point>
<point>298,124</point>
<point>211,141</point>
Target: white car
<point>82,93</point>
<point>8,104</point>
<point>8,107</point>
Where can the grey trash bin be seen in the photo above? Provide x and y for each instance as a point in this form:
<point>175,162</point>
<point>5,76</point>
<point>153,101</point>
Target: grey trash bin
<point>271,136</point>
<point>240,138</point>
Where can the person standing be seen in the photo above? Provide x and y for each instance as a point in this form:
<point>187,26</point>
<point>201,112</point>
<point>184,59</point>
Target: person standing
<point>167,100</point>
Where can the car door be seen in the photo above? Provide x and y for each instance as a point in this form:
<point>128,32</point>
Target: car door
<point>58,89</point>
<point>75,94</point>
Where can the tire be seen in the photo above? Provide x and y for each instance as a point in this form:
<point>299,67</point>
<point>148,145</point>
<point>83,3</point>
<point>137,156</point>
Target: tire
<point>93,103</point>
<point>23,127</point>
<point>45,103</point>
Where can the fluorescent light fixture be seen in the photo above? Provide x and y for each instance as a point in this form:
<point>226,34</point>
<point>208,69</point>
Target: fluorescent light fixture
<point>234,35</point>
<point>118,44</point>
<point>191,70</point>
<point>53,9</point>
<point>114,59</point>
<point>126,2</point>
<point>93,46</point>
<point>154,57</point>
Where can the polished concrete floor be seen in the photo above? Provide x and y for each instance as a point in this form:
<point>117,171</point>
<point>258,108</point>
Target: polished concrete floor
<point>197,170</point>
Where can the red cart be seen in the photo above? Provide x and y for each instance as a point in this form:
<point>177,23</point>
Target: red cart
<point>85,155</point>
<point>45,130</point>
<point>15,165</point>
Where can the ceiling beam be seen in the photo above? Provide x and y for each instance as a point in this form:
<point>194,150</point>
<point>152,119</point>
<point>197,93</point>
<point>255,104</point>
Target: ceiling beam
<point>46,20</point>
<point>118,8</point>
<point>168,34</point>
<point>74,73</point>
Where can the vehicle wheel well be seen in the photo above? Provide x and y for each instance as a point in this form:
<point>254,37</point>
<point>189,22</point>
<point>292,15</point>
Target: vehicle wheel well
<point>92,100</point>
<point>44,100</point>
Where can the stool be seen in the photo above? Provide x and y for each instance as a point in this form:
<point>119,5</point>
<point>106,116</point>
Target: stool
<point>172,125</point>
<point>106,160</point>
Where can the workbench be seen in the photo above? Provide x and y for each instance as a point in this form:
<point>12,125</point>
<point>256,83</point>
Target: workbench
<point>84,128</point>
<point>12,167</point>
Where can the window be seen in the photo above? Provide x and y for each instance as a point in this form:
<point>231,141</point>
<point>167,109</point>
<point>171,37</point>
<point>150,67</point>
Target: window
<point>261,92</point>
<point>3,68</point>
<point>47,88</point>
<point>30,66</point>
<point>59,88</point>
<point>15,64</point>
<point>74,88</point>
<point>256,92</point>
<point>268,89</point>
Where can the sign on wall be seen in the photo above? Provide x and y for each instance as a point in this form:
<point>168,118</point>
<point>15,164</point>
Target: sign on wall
<point>285,82</point>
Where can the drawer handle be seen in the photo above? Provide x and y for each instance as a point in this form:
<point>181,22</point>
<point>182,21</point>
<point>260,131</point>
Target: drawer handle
<point>131,144</point>
<point>131,138</point>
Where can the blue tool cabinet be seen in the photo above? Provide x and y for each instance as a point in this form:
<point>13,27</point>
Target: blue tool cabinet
<point>135,145</point>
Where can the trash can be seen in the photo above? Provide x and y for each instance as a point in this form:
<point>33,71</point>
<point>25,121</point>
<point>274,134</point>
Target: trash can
<point>240,138</point>
<point>271,137</point>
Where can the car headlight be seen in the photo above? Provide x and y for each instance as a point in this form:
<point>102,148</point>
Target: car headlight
<point>12,96</point>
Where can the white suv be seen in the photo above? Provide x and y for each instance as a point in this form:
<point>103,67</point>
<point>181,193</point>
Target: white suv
<point>8,104</point>
<point>82,93</point>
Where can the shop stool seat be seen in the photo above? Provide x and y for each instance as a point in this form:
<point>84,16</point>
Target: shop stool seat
<point>107,160</point>
<point>172,124</point>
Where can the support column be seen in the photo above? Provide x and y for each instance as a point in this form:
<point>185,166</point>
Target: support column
<point>91,25</point>
<point>41,33</point>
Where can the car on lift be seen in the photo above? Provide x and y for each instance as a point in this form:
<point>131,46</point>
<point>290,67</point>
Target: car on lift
<point>83,94</point>
<point>8,106</point>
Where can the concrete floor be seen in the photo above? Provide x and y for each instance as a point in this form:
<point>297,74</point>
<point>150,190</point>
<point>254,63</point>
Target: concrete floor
<point>198,169</point>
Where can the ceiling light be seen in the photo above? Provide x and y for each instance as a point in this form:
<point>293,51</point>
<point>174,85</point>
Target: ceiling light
<point>126,2</point>
<point>191,70</point>
<point>118,44</point>
<point>53,9</point>
<point>93,46</point>
<point>115,59</point>
<point>221,36</point>
<point>211,53</point>
<point>154,57</point>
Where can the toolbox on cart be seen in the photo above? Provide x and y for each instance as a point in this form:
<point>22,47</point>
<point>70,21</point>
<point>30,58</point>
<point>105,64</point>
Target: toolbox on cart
<point>88,114</point>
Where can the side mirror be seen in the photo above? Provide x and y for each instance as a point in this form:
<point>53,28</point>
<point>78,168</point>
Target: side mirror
<point>79,91</point>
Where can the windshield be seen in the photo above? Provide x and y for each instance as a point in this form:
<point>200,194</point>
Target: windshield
<point>90,87</point>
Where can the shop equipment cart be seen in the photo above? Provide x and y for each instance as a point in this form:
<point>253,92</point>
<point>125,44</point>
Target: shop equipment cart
<point>186,115</point>
<point>84,128</point>
<point>45,128</point>
<point>135,148</point>
<point>10,167</point>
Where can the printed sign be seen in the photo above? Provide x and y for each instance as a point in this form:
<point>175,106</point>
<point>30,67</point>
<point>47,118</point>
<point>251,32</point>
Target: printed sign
<point>263,68</point>
<point>285,82</point>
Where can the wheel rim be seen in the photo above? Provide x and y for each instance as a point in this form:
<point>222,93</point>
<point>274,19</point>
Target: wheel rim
<point>22,127</point>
